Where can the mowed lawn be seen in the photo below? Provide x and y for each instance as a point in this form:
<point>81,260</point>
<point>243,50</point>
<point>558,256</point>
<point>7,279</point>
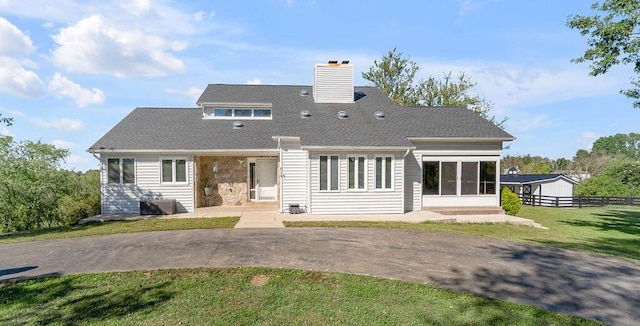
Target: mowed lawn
<point>115,227</point>
<point>253,296</point>
<point>611,230</point>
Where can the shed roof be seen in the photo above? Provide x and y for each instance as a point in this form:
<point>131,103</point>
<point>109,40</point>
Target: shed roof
<point>532,178</point>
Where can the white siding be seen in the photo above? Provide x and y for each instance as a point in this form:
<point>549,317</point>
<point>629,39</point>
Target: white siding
<point>368,201</point>
<point>557,188</point>
<point>124,198</point>
<point>294,176</point>
<point>333,83</point>
<point>413,182</point>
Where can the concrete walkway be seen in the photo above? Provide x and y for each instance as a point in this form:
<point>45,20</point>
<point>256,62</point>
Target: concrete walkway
<point>586,285</point>
<point>268,217</point>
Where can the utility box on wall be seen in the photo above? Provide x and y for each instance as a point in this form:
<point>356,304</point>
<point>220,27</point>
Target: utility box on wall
<point>158,207</point>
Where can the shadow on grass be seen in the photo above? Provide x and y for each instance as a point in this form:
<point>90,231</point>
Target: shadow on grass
<point>613,220</point>
<point>54,230</point>
<point>619,247</point>
<point>67,301</point>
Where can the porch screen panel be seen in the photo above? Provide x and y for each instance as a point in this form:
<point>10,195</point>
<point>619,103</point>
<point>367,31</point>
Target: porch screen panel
<point>448,178</point>
<point>431,178</point>
<point>128,170</point>
<point>113,167</point>
<point>487,178</point>
<point>469,181</point>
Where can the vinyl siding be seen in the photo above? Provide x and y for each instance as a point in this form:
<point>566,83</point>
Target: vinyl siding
<point>368,201</point>
<point>413,182</point>
<point>557,188</point>
<point>294,176</point>
<point>124,198</point>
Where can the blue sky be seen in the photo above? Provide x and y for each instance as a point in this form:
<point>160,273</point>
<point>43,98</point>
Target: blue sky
<point>70,70</point>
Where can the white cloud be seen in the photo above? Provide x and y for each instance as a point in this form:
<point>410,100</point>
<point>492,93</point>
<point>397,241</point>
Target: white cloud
<point>6,132</point>
<point>138,7</point>
<point>62,124</point>
<point>96,45</point>
<point>62,144</point>
<point>192,92</point>
<point>254,81</point>
<point>15,78</point>
<point>14,42</point>
<point>82,96</point>
<point>585,139</point>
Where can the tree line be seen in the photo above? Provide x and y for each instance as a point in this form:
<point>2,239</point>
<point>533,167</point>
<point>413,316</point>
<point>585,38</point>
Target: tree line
<point>35,192</point>
<point>610,169</point>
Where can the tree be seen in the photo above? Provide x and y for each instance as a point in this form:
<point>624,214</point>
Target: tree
<point>613,39</point>
<point>624,145</point>
<point>619,179</point>
<point>33,188</point>
<point>6,121</point>
<point>394,74</point>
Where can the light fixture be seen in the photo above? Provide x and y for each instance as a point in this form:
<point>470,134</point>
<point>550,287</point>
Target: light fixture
<point>215,166</point>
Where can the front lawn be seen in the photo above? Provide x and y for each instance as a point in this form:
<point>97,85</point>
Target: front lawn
<point>612,230</point>
<point>253,296</point>
<point>104,228</point>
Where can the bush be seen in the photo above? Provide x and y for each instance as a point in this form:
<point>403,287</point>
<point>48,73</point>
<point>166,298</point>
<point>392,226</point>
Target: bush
<point>510,202</point>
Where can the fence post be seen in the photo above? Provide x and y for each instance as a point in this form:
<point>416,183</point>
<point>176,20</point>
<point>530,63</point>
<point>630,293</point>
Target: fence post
<point>579,202</point>
<point>557,199</point>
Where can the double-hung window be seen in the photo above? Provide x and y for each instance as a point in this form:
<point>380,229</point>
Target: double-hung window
<point>356,168</point>
<point>173,170</point>
<point>329,172</point>
<point>121,170</point>
<point>384,172</point>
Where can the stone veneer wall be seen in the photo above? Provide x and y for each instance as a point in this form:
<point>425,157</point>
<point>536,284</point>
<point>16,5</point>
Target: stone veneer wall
<point>229,184</point>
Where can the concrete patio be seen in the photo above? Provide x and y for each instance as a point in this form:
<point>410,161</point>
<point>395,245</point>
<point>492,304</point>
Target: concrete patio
<point>267,216</point>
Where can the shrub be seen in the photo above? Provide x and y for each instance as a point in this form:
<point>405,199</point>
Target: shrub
<point>510,202</point>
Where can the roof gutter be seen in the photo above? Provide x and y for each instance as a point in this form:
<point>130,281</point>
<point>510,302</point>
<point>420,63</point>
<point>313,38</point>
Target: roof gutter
<point>359,148</point>
<point>186,151</point>
<point>458,139</point>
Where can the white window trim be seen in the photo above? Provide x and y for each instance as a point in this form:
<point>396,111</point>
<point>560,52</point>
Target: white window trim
<point>121,170</point>
<point>173,170</point>
<point>355,180</point>
<point>384,167</point>
<point>209,113</point>
<point>329,184</point>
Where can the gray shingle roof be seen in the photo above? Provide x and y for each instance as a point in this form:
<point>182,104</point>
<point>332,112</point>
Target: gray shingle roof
<point>184,128</point>
<point>532,178</point>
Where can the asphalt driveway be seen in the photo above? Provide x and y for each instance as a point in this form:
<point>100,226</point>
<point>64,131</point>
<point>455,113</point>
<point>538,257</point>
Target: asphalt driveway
<point>603,288</point>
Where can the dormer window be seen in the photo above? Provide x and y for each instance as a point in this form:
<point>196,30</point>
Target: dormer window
<point>241,111</point>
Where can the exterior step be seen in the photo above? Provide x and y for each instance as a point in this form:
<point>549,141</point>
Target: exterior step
<point>466,210</point>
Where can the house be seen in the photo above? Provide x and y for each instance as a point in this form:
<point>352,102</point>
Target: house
<point>536,189</point>
<point>329,148</point>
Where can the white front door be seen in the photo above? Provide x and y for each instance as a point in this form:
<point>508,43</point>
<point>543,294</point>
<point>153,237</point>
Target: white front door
<point>266,179</point>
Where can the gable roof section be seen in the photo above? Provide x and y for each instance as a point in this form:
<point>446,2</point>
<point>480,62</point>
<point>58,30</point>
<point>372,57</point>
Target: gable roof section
<point>532,178</point>
<point>184,128</point>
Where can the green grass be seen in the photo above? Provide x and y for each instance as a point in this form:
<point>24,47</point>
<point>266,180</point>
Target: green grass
<point>612,230</point>
<point>253,296</point>
<point>104,228</point>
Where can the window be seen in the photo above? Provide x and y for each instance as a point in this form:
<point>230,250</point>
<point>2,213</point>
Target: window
<point>121,170</point>
<point>231,113</point>
<point>356,172</point>
<point>384,175</point>
<point>328,172</point>
<point>431,178</point>
<point>448,178</point>
<point>487,178</point>
<point>173,170</point>
<point>469,180</point>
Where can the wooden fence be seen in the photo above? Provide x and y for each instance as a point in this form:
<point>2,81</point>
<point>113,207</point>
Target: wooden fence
<point>551,201</point>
